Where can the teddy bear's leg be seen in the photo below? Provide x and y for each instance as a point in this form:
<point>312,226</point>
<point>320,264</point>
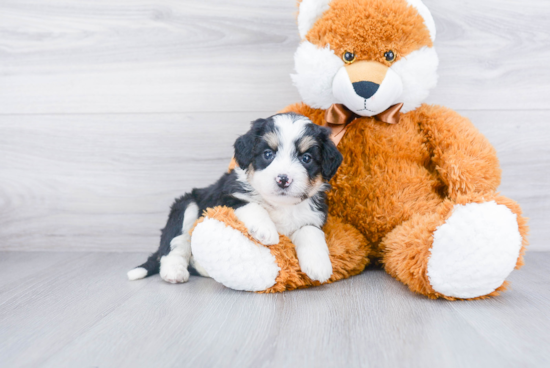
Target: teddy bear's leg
<point>224,249</point>
<point>461,251</point>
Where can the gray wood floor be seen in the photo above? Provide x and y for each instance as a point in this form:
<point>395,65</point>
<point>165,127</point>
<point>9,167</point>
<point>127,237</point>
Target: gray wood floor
<point>78,310</point>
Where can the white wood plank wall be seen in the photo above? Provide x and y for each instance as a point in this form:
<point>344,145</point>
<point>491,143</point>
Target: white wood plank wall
<point>110,108</point>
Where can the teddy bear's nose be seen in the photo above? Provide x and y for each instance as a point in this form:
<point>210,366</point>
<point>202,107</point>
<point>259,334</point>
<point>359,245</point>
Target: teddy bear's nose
<point>365,89</point>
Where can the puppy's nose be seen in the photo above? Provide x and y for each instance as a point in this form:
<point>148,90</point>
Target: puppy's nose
<point>365,89</point>
<point>283,181</point>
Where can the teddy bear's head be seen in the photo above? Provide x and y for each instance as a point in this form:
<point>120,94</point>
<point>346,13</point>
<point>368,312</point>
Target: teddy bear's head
<point>365,54</point>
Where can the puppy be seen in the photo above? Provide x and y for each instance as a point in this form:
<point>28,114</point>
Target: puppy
<point>279,187</point>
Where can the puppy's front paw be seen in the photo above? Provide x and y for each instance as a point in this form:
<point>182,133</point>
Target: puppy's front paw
<point>258,223</point>
<point>316,265</point>
<point>173,269</point>
<point>264,232</point>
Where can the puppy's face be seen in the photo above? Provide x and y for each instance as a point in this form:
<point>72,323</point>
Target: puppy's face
<point>287,158</point>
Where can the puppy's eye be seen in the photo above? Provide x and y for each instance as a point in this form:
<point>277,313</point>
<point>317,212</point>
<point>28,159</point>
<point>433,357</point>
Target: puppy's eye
<point>268,155</point>
<point>390,56</point>
<point>348,57</point>
<point>306,159</point>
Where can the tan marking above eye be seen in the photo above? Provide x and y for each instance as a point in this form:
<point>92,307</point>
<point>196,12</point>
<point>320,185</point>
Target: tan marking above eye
<point>272,140</point>
<point>306,143</point>
<point>367,71</point>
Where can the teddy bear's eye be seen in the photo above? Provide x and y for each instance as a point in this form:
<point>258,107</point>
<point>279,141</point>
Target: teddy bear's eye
<point>348,57</point>
<point>390,56</point>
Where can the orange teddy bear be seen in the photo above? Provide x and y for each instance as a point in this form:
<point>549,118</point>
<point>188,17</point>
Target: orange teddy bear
<point>417,188</point>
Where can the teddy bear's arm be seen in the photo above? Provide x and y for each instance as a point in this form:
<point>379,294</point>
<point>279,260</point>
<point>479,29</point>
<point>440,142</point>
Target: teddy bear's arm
<point>464,159</point>
<point>315,115</point>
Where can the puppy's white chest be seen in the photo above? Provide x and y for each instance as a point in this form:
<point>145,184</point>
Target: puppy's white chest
<point>288,219</point>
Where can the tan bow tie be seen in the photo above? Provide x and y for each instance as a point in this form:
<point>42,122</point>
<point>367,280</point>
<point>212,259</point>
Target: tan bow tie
<point>338,117</point>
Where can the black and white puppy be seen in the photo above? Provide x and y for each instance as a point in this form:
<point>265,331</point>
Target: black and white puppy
<point>279,187</point>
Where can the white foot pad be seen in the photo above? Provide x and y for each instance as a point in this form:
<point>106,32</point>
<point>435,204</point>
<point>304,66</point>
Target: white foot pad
<point>232,259</point>
<point>474,251</point>
<point>173,269</point>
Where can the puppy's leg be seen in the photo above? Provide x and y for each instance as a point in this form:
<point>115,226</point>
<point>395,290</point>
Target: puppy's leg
<point>312,252</point>
<point>172,230</point>
<point>259,224</point>
<point>173,266</point>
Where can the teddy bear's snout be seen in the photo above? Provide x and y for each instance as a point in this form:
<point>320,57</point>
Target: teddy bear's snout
<point>367,87</point>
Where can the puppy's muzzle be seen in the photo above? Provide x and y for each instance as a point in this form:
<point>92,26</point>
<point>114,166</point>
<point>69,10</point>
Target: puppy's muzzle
<point>283,181</point>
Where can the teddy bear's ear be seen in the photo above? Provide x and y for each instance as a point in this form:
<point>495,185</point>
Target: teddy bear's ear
<point>309,11</point>
<point>426,14</point>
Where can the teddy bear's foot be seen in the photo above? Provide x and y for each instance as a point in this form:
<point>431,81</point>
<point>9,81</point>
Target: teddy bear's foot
<point>474,251</point>
<point>231,258</point>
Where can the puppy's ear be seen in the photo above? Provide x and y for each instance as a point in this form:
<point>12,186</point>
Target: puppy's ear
<point>244,145</point>
<point>332,158</point>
